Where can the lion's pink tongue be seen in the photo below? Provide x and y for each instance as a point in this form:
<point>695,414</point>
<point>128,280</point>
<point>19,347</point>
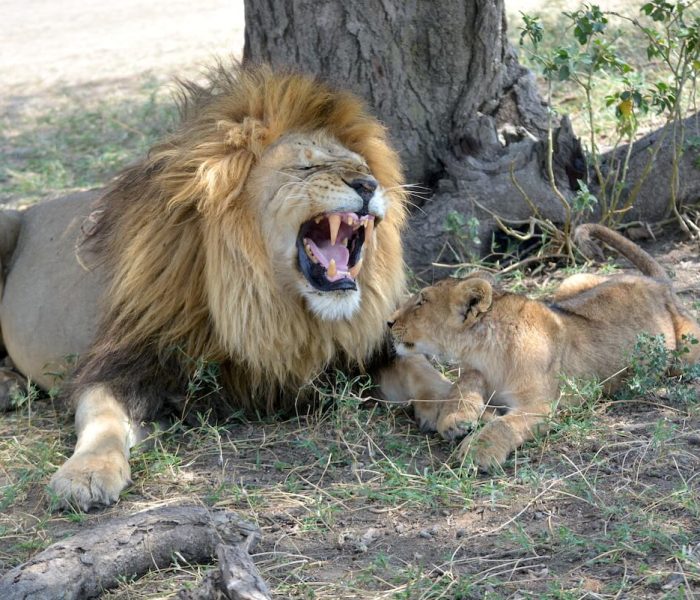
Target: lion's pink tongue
<point>327,252</point>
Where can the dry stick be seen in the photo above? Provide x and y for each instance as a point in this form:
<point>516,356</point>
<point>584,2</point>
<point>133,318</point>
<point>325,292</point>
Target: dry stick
<point>94,560</point>
<point>237,577</point>
<point>241,580</point>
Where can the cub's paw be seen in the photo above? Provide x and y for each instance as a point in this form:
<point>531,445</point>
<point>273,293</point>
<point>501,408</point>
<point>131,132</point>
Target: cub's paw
<point>90,479</point>
<point>426,415</point>
<point>484,451</point>
<point>455,424</point>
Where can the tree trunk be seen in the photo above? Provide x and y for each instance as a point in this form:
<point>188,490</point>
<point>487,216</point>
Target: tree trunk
<point>466,118</point>
<point>426,68</point>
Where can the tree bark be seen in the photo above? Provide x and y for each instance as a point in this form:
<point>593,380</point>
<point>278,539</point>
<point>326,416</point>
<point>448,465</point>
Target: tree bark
<point>426,68</point>
<point>92,561</point>
<point>466,118</point>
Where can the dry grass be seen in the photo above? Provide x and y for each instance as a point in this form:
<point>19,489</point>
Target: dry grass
<point>354,502</point>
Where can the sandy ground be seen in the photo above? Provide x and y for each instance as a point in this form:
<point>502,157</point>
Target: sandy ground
<point>45,44</point>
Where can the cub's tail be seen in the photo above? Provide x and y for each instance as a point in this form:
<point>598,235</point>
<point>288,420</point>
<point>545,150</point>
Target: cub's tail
<point>639,258</point>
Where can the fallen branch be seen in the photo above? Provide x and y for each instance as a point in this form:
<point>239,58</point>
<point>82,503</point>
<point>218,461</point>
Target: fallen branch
<point>95,560</point>
<point>237,577</point>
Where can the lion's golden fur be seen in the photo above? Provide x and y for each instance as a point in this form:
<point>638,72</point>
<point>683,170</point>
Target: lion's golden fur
<point>182,238</point>
<point>513,351</point>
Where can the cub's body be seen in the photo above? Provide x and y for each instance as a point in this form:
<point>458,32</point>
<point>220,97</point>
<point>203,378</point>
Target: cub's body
<point>513,351</point>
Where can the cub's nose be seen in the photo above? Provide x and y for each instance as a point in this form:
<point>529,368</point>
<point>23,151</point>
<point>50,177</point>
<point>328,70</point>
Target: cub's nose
<point>390,324</point>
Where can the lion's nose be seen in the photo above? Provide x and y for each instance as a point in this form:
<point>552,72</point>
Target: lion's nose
<point>365,187</point>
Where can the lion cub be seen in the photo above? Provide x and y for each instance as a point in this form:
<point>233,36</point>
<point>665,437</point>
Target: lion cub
<point>513,350</point>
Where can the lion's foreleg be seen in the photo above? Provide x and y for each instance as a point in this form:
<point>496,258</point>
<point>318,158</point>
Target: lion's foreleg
<point>99,469</point>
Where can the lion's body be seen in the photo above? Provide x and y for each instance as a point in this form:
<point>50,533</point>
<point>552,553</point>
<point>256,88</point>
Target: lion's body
<point>514,350</point>
<point>50,303</point>
<point>263,236</point>
<point>194,274</point>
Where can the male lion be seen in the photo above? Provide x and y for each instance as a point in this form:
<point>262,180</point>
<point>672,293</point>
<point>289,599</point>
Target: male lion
<point>263,235</point>
<point>513,350</point>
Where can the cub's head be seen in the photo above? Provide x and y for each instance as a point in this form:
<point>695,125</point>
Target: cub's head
<point>434,321</point>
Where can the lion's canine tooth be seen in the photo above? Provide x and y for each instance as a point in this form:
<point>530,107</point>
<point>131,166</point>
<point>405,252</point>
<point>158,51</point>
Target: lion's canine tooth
<point>369,228</point>
<point>331,270</point>
<point>355,270</point>
<point>334,224</point>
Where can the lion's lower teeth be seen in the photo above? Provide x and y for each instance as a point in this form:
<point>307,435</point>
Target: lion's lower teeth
<point>310,254</point>
<point>354,271</point>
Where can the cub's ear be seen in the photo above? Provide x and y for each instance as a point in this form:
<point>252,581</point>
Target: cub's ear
<point>471,297</point>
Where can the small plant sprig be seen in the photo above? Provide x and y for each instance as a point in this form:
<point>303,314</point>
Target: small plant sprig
<point>653,365</point>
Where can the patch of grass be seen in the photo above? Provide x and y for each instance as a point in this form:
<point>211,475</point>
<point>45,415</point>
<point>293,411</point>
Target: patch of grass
<point>81,141</point>
<point>355,503</point>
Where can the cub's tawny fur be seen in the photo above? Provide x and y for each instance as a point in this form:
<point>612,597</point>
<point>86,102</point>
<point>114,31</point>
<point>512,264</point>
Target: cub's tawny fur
<point>513,351</point>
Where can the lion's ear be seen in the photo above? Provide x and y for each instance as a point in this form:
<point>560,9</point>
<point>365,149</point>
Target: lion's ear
<point>224,174</point>
<point>471,297</point>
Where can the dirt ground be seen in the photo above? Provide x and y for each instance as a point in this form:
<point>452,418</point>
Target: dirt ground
<point>352,500</point>
<point>46,45</point>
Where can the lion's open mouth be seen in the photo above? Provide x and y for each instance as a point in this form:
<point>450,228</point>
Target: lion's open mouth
<point>330,249</point>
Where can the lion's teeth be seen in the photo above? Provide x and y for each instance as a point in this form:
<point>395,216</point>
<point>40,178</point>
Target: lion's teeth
<point>369,228</point>
<point>317,220</point>
<point>334,223</point>
<point>332,271</point>
<point>310,254</point>
<point>354,271</point>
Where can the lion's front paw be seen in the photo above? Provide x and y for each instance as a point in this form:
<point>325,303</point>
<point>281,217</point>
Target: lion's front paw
<point>89,479</point>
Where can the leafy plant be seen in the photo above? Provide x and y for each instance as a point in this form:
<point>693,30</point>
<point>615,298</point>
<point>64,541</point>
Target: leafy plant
<point>672,42</point>
<point>651,362</point>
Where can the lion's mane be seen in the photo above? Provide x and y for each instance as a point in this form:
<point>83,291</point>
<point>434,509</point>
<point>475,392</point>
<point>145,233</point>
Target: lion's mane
<point>190,276</point>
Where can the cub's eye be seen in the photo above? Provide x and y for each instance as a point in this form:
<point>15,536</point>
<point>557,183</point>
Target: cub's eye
<point>421,300</point>
<point>307,167</point>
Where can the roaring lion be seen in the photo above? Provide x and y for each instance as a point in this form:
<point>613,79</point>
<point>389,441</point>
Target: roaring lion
<point>262,236</point>
<point>513,351</point>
